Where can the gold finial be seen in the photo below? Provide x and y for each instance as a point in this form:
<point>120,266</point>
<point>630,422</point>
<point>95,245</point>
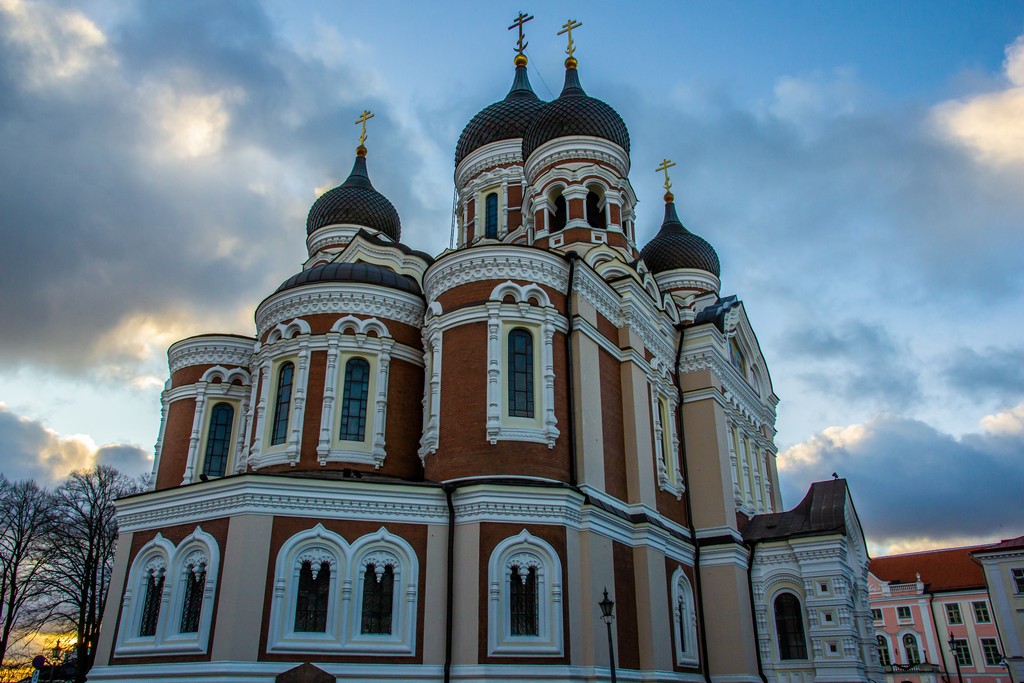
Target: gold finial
<point>521,45</point>
<point>567,27</point>
<point>664,166</point>
<point>363,118</point>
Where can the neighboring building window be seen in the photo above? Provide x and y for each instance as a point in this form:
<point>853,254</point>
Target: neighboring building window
<point>522,591</point>
<point>963,652</point>
<point>218,440</point>
<point>911,649</point>
<point>491,215</point>
<point>953,615</point>
<point>558,221</point>
<point>789,627</point>
<point>595,216</point>
<point>993,657</point>
<point>884,657</point>
<point>311,600</point>
<point>151,606</point>
<point>876,614</point>
<point>192,603</point>
<point>1018,579</point>
<point>903,613</point>
<point>981,615</point>
<point>378,593</point>
<point>283,404</point>
<point>520,373</point>
<point>353,410</point>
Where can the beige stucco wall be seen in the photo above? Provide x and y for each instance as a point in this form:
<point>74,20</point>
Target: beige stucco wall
<point>242,587</point>
<point>433,593</point>
<point>114,597</point>
<point>728,623</point>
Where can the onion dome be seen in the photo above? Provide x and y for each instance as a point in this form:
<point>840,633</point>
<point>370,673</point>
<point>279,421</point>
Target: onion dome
<point>676,247</point>
<point>366,273</point>
<point>355,202</point>
<point>506,119</point>
<point>574,113</point>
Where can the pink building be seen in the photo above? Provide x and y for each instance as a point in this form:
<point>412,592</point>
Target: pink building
<point>920,601</point>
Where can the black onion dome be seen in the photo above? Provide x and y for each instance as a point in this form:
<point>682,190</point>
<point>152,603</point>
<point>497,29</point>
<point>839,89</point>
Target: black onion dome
<point>676,247</point>
<point>355,202</point>
<point>575,113</point>
<point>366,273</point>
<point>506,119</point>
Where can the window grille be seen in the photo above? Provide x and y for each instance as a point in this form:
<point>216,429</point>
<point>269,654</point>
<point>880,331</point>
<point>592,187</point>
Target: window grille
<point>884,657</point>
<point>523,597</point>
<point>192,605</point>
<point>963,652</point>
<point>218,440</point>
<point>683,618</point>
<point>378,592</point>
<point>491,216</point>
<point>283,404</point>
<point>911,648</point>
<point>520,373</point>
<point>953,615</point>
<point>354,400</point>
<point>311,601</point>
<point>993,657</point>
<point>151,606</point>
<point>789,627</point>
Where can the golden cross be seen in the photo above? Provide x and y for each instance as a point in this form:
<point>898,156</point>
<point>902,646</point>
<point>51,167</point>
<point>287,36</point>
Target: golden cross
<point>567,28</point>
<point>664,166</point>
<point>520,20</point>
<point>363,118</point>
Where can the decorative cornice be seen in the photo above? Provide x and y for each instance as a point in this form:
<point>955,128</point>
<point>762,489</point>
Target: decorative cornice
<point>497,262</point>
<point>210,349</point>
<point>493,154</point>
<point>339,298</point>
<point>576,148</point>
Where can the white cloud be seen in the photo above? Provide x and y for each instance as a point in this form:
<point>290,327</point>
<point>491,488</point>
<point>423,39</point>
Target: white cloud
<point>991,125</point>
<point>190,125</point>
<point>1006,423</point>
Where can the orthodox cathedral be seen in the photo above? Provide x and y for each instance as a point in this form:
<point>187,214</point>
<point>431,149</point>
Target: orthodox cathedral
<point>436,468</point>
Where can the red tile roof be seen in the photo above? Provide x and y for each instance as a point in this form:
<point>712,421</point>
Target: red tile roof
<point>1008,544</point>
<point>941,570</point>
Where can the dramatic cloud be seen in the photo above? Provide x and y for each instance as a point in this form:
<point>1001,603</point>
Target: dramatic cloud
<point>997,372</point>
<point>915,485</point>
<point>29,450</point>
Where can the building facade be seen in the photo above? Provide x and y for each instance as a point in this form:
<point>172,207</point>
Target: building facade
<point>1003,565</point>
<point>431,467</point>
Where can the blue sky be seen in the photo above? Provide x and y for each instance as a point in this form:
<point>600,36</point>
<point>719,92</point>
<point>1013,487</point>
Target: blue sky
<point>858,166</point>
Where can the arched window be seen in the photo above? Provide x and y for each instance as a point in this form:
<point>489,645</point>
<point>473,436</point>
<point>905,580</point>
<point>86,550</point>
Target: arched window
<point>311,599</point>
<point>523,600</point>
<point>353,407</point>
<point>595,216</point>
<point>283,404</point>
<point>378,593</point>
<point>789,627</point>
<point>884,657</point>
<point>684,621</point>
<point>520,373</point>
<point>491,215</point>
<point>218,440</point>
<point>561,214</point>
<point>192,602</point>
<point>151,606</point>
<point>911,649</point>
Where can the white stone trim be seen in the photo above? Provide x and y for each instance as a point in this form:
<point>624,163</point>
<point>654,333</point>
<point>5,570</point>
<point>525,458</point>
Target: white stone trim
<point>433,343</point>
<point>495,262</point>
<point>490,156</point>
<point>525,549</point>
<point>576,148</point>
<point>210,349</point>
<point>684,610</point>
<point>339,298</point>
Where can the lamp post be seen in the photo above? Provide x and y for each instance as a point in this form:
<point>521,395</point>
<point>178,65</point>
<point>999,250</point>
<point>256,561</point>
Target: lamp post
<point>607,606</point>
<point>956,657</point>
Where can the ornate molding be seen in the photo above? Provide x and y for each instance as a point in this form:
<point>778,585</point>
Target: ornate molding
<point>210,350</point>
<point>346,298</point>
<point>504,262</point>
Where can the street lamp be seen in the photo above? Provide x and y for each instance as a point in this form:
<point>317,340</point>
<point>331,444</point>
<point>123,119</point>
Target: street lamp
<point>956,657</point>
<point>607,606</point>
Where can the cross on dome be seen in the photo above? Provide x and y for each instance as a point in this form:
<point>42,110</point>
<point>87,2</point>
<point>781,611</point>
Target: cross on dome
<point>664,166</point>
<point>567,28</point>
<point>363,118</point>
<point>521,44</point>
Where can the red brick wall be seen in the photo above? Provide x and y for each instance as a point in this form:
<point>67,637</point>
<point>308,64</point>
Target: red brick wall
<point>473,293</point>
<point>174,449</point>
<point>611,426</point>
<point>625,607</point>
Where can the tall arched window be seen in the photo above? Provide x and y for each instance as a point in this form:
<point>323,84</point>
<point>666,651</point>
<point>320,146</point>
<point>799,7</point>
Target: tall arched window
<point>561,214</point>
<point>218,440</point>
<point>789,627</point>
<point>354,399</point>
<point>595,216</point>
<point>192,603</point>
<point>283,403</point>
<point>884,656</point>
<point>311,599</point>
<point>491,215</point>
<point>520,373</point>
<point>151,606</point>
<point>911,649</point>
<point>378,593</point>
<point>523,600</point>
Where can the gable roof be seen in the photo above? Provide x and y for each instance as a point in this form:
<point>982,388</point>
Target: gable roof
<point>820,513</point>
<point>1007,544</point>
<point>948,569</point>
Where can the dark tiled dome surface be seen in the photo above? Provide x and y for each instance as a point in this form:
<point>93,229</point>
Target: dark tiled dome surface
<point>357,203</point>
<point>676,247</point>
<point>506,119</point>
<point>575,113</point>
<point>366,273</point>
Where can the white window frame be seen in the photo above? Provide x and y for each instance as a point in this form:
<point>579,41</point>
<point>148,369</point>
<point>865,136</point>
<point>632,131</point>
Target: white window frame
<point>903,648</point>
<point>981,604</point>
<point>286,342</point>
<point>168,639</point>
<point>666,438</point>
<point>953,611</point>
<point>682,592</point>
<point>984,651</point>
<point>524,549</point>
<point>388,548</point>
<point>531,309</point>
<point>216,386</point>
<point>1017,576</point>
<point>888,648</point>
<point>909,619</point>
